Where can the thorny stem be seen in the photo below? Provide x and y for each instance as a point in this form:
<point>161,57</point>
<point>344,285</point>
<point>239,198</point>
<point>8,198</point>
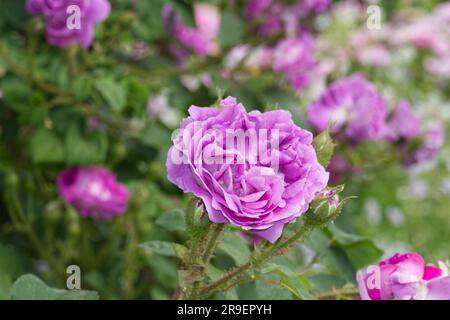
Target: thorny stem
<point>201,251</point>
<point>213,286</point>
<point>256,261</point>
<point>217,231</point>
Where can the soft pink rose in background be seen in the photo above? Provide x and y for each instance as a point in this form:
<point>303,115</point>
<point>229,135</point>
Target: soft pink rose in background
<point>94,191</point>
<point>295,58</point>
<point>404,277</point>
<point>430,31</point>
<point>433,140</point>
<point>202,38</point>
<point>355,107</point>
<point>404,123</point>
<point>56,16</point>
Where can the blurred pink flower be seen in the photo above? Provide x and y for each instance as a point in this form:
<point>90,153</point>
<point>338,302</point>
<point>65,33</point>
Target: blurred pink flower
<point>295,58</point>
<point>202,39</point>
<point>403,277</point>
<point>57,16</point>
<point>94,191</point>
<point>354,106</point>
<point>433,140</point>
<point>404,123</point>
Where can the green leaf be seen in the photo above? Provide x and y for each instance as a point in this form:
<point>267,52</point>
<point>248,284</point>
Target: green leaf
<point>164,248</point>
<point>324,146</point>
<point>30,287</point>
<point>82,87</point>
<point>360,250</point>
<point>114,93</point>
<point>173,220</point>
<point>295,283</point>
<point>231,29</point>
<point>298,286</point>
<point>272,289</point>
<point>81,149</point>
<point>46,147</point>
<point>230,294</point>
<point>326,282</point>
<point>5,285</point>
<point>150,25</point>
<point>12,261</point>
<point>333,257</point>
<point>184,11</point>
<point>14,12</point>
<point>17,95</point>
<point>236,247</point>
<point>156,136</point>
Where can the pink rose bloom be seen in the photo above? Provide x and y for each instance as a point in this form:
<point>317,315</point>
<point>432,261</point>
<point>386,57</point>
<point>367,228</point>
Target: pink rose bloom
<point>252,58</point>
<point>404,277</point>
<point>203,38</point>
<point>369,47</point>
<point>404,123</point>
<point>260,58</point>
<point>431,31</point>
<point>265,179</point>
<point>433,140</point>
<point>295,58</point>
<point>255,8</point>
<point>55,12</point>
<point>94,191</point>
<point>355,107</point>
<point>267,13</point>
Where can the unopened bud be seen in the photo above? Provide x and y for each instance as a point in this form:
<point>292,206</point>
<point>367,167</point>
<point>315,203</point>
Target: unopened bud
<point>326,204</point>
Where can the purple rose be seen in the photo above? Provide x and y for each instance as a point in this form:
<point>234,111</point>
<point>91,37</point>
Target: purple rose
<point>355,107</point>
<point>94,191</point>
<point>404,277</point>
<point>433,140</point>
<point>295,58</point>
<point>256,170</point>
<point>255,8</point>
<point>203,38</point>
<point>58,15</point>
<point>267,13</point>
<point>404,123</point>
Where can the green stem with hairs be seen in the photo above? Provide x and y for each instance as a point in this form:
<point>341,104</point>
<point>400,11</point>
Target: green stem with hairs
<point>258,258</point>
